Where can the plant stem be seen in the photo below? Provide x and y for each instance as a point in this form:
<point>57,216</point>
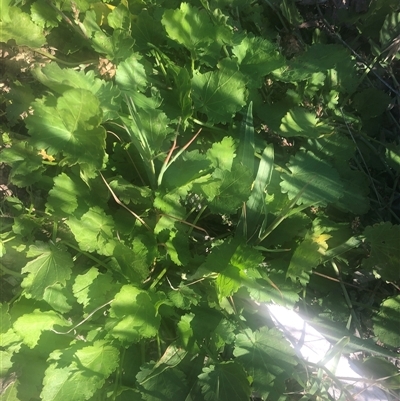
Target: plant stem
<point>88,255</point>
<point>6,270</point>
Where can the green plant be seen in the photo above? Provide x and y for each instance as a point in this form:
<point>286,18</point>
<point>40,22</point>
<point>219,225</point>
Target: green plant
<point>174,165</point>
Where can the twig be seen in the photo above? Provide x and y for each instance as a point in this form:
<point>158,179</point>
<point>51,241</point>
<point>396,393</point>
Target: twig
<point>362,157</point>
<point>369,66</point>
<point>347,298</point>
<point>125,207</point>
<point>67,20</point>
<point>84,320</point>
<point>185,222</point>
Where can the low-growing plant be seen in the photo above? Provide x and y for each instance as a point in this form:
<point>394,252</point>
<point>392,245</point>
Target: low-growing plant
<point>172,166</point>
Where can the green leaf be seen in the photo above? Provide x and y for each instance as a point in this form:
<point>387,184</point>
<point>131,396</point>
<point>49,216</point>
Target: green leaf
<point>256,209</point>
<point>188,26</point>
<point>257,57</point>
<point>132,74</point>
<point>270,286</point>
<point>384,258</point>
<point>57,297</point>
<point>390,29</point>
<point>69,125</point>
<point>290,12</point>
<point>246,145</point>
<point>167,385</point>
<point>62,79</point>
<point>299,122</point>
<point>27,167</point>
<point>155,126</point>
<point>115,47</point>
<point>219,94</point>
<point>393,157</point>
<point>177,245</point>
<point>4,318</point>
<point>371,102</point>
<point>43,15</point>
<point>222,153</point>
<point>355,192</point>
<point>52,265</point>
<point>225,381</point>
<point>10,28</point>
<point>246,257</point>
<point>305,258</point>
<point>189,168</point>
<point>233,262</point>
<point>20,97</point>
<point>120,18</point>
<point>313,178</point>
<point>228,281</point>
<point>128,192</point>
<point>133,315</point>
<point>86,369</point>
<point>267,358</point>
<point>378,368</point>
<point>183,297</point>
<point>93,231</point>
<point>320,58</point>
<point>63,197</point>
<point>178,101</point>
<point>199,327</point>
<point>227,190</point>
<point>30,326</point>
<point>93,289</point>
<point>101,358</point>
<point>10,343</point>
<point>171,358</point>
<point>193,29</point>
<point>337,148</point>
<point>218,259</point>
<point>133,261</point>
<point>386,323</point>
<point>147,29</point>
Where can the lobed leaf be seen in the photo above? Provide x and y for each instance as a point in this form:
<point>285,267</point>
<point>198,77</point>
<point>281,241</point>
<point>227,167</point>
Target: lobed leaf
<point>267,358</point>
<point>62,79</point>
<point>219,94</point>
<point>312,179</point>
<point>257,57</point>
<point>167,384</point>
<point>224,381</point>
<point>31,325</point>
<point>299,122</point>
<point>194,29</point>
<point>52,265</point>
<point>132,74</point>
<point>305,257</point>
<point>31,35</point>
<point>226,190</point>
<point>133,315</point>
<point>79,371</point>
<point>386,325</point>
<point>384,258</point>
<point>93,231</point>
<point>26,162</point>
<point>93,289</point>
<point>222,153</point>
<point>69,125</point>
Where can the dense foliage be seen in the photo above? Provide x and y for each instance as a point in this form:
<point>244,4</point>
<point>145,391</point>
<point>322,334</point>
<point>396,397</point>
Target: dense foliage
<point>168,167</point>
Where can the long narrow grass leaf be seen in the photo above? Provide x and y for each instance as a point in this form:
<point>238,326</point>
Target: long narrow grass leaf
<point>246,146</point>
<point>255,209</point>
